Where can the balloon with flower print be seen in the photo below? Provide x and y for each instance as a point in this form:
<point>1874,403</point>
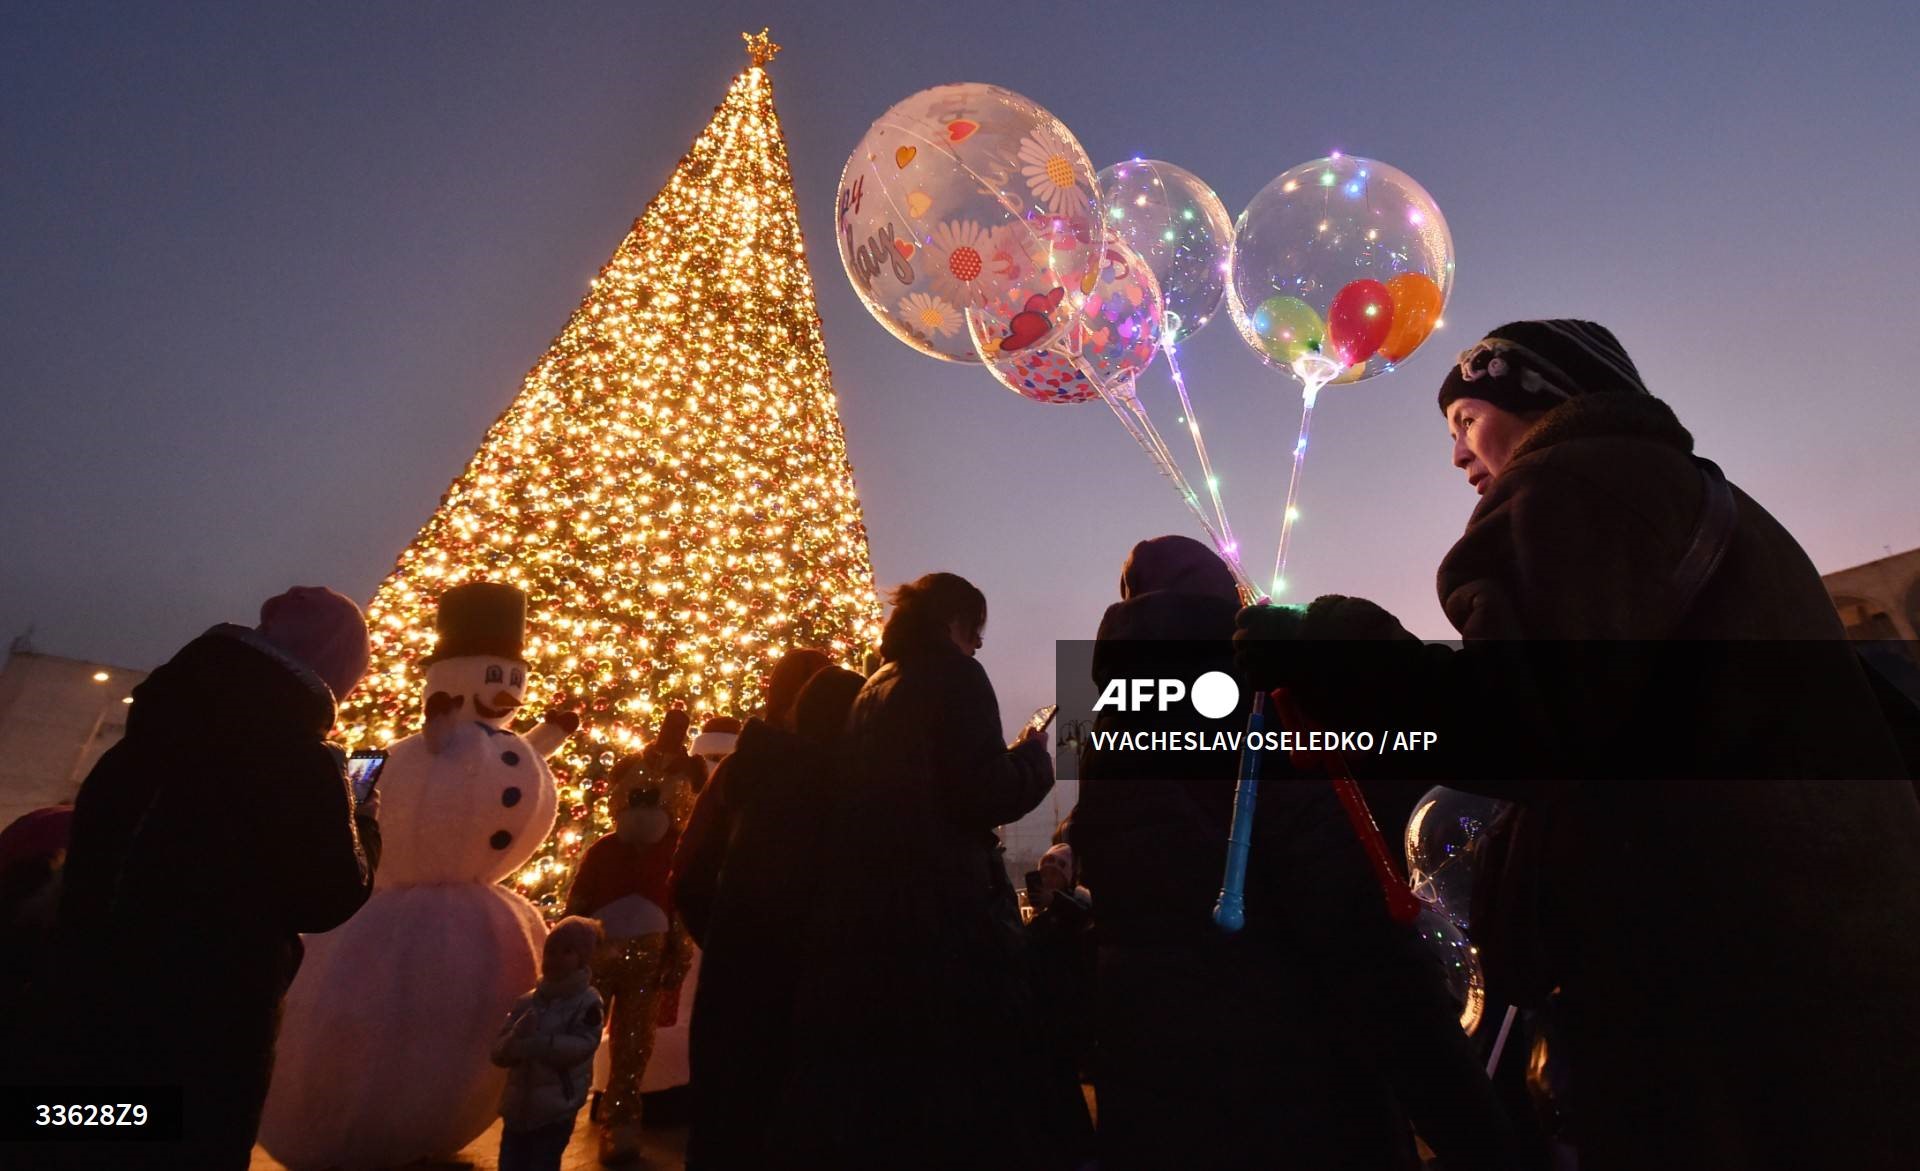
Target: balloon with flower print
<point>969,198</point>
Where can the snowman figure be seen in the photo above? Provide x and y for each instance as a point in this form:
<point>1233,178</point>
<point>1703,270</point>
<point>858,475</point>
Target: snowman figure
<point>383,1056</point>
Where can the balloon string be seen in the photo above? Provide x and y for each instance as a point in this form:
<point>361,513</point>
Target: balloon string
<point>1228,549</point>
<point>1292,513</point>
<point>1231,550</point>
<point>1164,456</point>
<point>1133,417</point>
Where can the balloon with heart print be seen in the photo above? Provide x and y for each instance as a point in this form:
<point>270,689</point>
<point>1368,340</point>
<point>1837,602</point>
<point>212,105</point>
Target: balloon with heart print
<point>1043,375</point>
<point>1360,245</point>
<point>963,199</point>
<point>1113,339</point>
<point>1118,331</point>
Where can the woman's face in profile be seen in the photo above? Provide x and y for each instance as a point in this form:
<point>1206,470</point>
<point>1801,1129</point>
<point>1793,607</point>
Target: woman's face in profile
<point>966,636</point>
<point>1484,437</point>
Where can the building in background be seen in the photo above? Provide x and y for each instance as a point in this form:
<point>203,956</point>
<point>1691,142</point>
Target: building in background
<point>56,717</point>
<point>1880,604</point>
<point>1881,599</point>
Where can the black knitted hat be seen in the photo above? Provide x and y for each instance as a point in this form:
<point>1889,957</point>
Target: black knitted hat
<point>1536,365</point>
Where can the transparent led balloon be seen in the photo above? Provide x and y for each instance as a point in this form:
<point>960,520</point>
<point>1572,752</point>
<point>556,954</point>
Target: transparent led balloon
<point>1466,983</point>
<point>1045,376</point>
<point>1109,342</point>
<point>1341,269</point>
<point>1180,228</point>
<point>969,198</point>
<point>1442,838</point>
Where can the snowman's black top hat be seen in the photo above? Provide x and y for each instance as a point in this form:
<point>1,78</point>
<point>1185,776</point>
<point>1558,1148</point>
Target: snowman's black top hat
<point>481,618</point>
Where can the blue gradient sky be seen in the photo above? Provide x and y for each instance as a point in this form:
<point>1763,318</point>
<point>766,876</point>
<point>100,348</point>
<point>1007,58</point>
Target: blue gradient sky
<point>267,273</point>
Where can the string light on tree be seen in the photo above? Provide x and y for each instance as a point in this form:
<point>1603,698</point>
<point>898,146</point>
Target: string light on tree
<point>671,486</point>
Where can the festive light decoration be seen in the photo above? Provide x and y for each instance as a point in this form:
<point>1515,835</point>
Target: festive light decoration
<point>671,487</point>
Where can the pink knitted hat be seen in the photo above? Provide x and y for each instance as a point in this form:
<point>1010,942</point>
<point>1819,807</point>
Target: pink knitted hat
<point>322,629</point>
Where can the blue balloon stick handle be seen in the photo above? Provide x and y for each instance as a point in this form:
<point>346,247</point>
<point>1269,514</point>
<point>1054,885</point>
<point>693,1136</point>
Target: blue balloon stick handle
<point>1230,913</point>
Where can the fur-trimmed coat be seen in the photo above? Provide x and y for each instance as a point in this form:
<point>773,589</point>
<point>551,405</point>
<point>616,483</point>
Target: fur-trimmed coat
<point>1716,857</point>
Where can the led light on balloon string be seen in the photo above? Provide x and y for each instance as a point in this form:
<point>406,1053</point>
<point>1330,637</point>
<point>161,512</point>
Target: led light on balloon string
<point>1340,269</point>
<point>1231,547</point>
<point>1112,338</point>
<point>1179,228</point>
<point>970,223</point>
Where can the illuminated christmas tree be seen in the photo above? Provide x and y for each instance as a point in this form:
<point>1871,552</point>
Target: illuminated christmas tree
<point>671,486</point>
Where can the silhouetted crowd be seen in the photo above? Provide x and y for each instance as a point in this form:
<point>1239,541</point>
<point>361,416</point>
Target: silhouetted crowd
<point>1700,901</point>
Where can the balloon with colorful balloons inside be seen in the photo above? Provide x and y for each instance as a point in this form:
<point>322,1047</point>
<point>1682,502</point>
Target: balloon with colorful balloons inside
<point>1341,268</point>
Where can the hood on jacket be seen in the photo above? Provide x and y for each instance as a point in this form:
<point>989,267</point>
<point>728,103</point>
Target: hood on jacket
<point>1596,415</point>
<point>1176,564</point>
<point>230,684</point>
<point>1202,620</point>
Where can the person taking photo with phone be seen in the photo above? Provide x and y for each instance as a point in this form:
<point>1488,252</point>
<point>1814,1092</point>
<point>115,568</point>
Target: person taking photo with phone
<point>914,1025</point>
<point>205,842</point>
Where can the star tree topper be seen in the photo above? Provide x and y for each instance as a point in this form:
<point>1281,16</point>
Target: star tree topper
<point>760,47</point>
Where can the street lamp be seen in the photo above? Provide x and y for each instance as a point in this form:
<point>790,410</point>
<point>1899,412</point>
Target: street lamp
<point>1074,733</point>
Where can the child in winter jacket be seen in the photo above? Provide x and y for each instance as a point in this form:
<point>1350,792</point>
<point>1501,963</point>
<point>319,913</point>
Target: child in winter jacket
<point>547,1046</point>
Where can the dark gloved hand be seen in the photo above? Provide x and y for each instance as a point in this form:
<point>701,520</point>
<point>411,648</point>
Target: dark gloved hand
<point>1337,617</point>
<point>1297,646</point>
<point>1262,638</point>
<point>563,718</point>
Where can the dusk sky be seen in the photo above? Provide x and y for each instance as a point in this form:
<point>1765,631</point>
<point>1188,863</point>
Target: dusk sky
<point>268,272</point>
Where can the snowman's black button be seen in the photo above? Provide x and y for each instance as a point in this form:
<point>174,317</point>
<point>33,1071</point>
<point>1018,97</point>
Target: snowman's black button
<point>500,840</point>
<point>512,758</point>
<point>510,797</point>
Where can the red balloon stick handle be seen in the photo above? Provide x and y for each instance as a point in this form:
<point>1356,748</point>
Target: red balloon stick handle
<point>1402,904</point>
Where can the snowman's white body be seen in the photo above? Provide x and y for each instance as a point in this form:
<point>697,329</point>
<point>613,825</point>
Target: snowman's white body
<point>384,1051</point>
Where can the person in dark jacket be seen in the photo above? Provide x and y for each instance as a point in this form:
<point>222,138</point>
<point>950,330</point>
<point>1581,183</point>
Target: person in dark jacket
<point>1310,1036</point>
<point>1736,982</point>
<point>711,828</point>
<point>745,879</point>
<point>204,842</point>
<point>915,1041</point>
<point>32,850</point>
<point>1064,959</point>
